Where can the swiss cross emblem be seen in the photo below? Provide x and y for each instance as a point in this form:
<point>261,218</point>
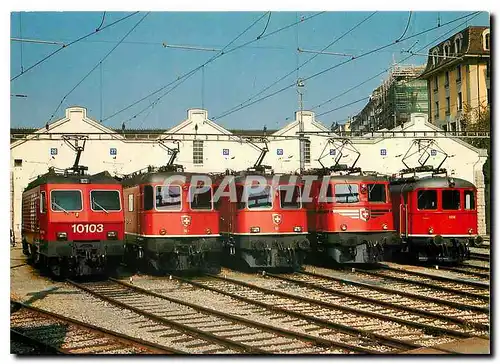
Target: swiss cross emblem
<point>186,220</point>
<point>364,214</point>
<point>277,219</point>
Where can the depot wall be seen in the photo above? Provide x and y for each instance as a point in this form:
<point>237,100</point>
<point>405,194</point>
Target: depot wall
<point>30,158</point>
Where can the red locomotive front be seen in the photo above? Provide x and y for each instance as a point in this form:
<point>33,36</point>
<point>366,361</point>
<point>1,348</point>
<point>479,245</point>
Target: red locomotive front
<point>170,222</point>
<point>436,217</point>
<point>265,225</point>
<point>73,223</point>
<point>350,217</point>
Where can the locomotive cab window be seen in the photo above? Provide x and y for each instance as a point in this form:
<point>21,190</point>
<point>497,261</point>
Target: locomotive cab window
<point>427,199</point>
<point>258,198</point>
<point>148,198</point>
<point>376,192</point>
<point>450,199</point>
<point>66,200</point>
<point>469,200</point>
<point>105,200</point>
<point>290,197</point>
<point>43,202</point>
<point>168,198</point>
<point>346,193</point>
<point>200,200</point>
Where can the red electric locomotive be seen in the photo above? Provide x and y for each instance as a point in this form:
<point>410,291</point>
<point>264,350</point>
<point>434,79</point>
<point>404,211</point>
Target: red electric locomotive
<point>351,221</point>
<point>435,216</point>
<point>264,225</point>
<point>171,224</point>
<point>72,223</point>
<point>349,212</point>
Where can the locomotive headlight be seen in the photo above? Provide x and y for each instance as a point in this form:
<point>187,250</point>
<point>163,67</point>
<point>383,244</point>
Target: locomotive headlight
<point>297,229</point>
<point>62,236</point>
<point>470,231</point>
<point>384,226</point>
<point>112,234</point>
<point>343,227</point>
<point>208,231</point>
<point>255,229</point>
<point>431,230</point>
<point>163,231</point>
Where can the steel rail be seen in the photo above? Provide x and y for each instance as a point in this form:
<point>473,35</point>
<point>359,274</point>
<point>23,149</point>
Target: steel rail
<point>416,311</point>
<point>425,284</point>
<point>269,328</point>
<point>457,305</point>
<point>157,348</point>
<point>425,327</point>
<point>465,271</point>
<point>18,265</point>
<point>190,330</point>
<point>31,341</point>
<point>436,277</point>
<point>400,344</point>
<point>479,256</point>
<point>468,265</point>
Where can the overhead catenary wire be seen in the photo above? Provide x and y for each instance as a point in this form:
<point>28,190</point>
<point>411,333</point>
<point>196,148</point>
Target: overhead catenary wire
<point>102,22</point>
<point>298,66</point>
<point>197,68</point>
<point>265,28</point>
<point>192,72</point>
<point>406,29</point>
<point>97,65</point>
<point>70,44</point>
<point>389,68</point>
<point>340,64</point>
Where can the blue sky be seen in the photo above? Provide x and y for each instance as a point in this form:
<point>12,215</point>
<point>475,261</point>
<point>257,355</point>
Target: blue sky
<point>141,65</point>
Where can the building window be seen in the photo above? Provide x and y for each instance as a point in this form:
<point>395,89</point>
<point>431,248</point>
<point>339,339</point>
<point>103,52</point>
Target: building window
<point>435,54</point>
<point>488,69</point>
<point>436,110</point>
<point>458,43</point>
<point>459,74</point>
<point>446,79</point>
<point>453,126</point>
<point>198,152</point>
<point>436,84</point>
<point>459,101</point>
<point>18,162</point>
<point>445,127</point>
<point>448,106</point>
<point>307,151</point>
<point>446,49</point>
<point>486,40</point>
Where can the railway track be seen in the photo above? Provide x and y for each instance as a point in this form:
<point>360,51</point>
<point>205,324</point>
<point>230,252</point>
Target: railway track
<point>468,272</point>
<point>417,298</point>
<point>48,332</point>
<point>212,331</point>
<point>412,311</point>
<point>324,311</point>
<point>480,256</point>
<point>461,292</point>
<point>456,285</point>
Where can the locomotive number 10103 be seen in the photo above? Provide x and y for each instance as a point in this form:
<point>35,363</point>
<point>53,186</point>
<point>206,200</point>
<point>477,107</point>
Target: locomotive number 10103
<point>87,228</point>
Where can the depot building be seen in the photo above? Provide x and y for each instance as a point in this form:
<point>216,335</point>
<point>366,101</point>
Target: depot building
<point>205,146</point>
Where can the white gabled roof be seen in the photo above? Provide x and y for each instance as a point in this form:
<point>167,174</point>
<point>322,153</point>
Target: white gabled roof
<point>67,118</point>
<point>308,116</point>
<point>197,115</point>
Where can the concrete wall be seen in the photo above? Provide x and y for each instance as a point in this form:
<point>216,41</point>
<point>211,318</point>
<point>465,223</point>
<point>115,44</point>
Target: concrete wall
<point>465,161</point>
